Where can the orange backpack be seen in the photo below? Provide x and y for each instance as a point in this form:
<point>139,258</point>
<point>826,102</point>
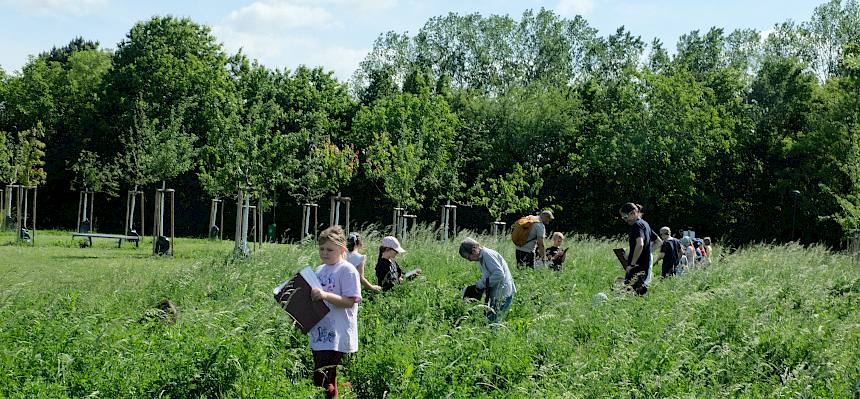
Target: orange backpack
<point>521,229</point>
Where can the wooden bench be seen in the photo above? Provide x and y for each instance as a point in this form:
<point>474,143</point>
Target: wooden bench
<point>118,237</point>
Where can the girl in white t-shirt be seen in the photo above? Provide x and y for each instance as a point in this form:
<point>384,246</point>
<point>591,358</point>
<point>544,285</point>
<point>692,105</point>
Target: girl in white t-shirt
<point>337,333</point>
<point>354,245</point>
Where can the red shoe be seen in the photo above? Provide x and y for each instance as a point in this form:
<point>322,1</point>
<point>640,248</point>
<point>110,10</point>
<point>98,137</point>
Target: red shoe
<point>330,391</point>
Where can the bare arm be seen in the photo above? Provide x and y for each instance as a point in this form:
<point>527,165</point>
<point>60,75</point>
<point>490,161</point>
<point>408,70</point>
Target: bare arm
<point>540,248</point>
<point>656,244</point>
<point>332,298</point>
<point>640,246</point>
<point>364,282</point>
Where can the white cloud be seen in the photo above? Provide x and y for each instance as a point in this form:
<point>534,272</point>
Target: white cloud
<point>365,5</point>
<point>56,7</point>
<point>343,61</point>
<point>276,50</point>
<point>289,33</point>
<point>570,8</point>
<point>277,15</point>
<point>356,5</point>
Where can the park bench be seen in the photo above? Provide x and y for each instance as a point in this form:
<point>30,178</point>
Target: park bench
<point>118,237</point>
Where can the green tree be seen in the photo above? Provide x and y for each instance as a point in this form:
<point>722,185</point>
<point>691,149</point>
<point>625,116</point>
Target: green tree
<point>317,119</point>
<point>155,150</point>
<point>166,65</point>
<point>6,152</point>
<point>28,157</point>
<point>409,139</point>
<point>514,192</point>
<point>91,174</point>
<point>831,169</point>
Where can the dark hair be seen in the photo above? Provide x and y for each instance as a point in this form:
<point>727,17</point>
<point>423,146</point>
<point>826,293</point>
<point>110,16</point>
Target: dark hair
<point>352,240</point>
<point>630,207</point>
<point>382,250</point>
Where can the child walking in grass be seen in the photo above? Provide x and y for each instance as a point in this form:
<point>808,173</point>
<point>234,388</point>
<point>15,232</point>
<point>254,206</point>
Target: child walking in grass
<point>354,244</point>
<point>337,333</point>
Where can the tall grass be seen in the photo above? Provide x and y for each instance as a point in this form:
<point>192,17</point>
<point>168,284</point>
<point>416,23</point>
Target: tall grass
<point>765,321</point>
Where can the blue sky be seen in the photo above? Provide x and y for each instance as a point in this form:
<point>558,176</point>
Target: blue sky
<point>338,33</point>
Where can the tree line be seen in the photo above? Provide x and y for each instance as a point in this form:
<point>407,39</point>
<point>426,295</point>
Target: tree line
<point>744,135</point>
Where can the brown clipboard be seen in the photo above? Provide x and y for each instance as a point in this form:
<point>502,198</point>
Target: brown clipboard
<point>622,257</point>
<point>294,296</point>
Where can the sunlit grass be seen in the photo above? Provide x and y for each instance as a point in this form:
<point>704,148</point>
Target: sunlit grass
<point>766,321</point>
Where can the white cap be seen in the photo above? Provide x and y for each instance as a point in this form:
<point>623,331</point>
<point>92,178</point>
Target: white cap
<point>391,242</point>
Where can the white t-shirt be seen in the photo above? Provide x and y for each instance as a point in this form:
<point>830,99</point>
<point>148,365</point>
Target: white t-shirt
<point>338,330</point>
<point>356,259</point>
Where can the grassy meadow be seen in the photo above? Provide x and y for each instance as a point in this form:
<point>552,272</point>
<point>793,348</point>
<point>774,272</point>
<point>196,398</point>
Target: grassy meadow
<point>765,321</point>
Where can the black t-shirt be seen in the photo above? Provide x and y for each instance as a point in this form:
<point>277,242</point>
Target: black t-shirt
<point>671,250</point>
<point>551,252</point>
<point>641,228</point>
<point>388,273</point>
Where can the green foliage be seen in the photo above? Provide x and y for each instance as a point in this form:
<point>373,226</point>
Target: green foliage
<point>485,54</point>
<point>317,116</point>
<point>409,147</point>
<point>155,150</point>
<point>515,192</point>
<point>323,169</point>
<point>538,110</point>
<point>169,75</point>
<point>90,174</point>
<point>28,157</point>
<point>6,151</point>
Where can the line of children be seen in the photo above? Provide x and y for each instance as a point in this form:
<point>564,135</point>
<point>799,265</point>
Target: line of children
<point>342,277</point>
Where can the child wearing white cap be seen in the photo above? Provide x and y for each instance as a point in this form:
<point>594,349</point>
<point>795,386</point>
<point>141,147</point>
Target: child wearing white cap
<point>388,272</point>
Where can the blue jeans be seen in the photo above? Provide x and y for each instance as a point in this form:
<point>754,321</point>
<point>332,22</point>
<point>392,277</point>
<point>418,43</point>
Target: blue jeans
<point>500,308</point>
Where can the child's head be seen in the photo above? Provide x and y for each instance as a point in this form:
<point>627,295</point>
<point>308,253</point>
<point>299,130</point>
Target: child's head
<point>557,238</point>
<point>354,242</point>
<point>390,247</point>
<point>685,241</point>
<point>332,245</point>
<point>470,249</point>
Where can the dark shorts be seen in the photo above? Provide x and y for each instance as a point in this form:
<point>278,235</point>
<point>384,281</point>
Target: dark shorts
<point>669,270</point>
<point>525,259</point>
<point>635,279</point>
<point>325,371</point>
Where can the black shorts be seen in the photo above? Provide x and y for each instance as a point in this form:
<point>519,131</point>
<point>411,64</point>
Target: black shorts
<point>525,259</point>
<point>635,279</point>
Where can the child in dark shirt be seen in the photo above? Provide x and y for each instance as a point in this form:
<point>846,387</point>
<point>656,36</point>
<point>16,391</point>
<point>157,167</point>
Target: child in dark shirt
<point>554,254</point>
<point>388,272</point>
